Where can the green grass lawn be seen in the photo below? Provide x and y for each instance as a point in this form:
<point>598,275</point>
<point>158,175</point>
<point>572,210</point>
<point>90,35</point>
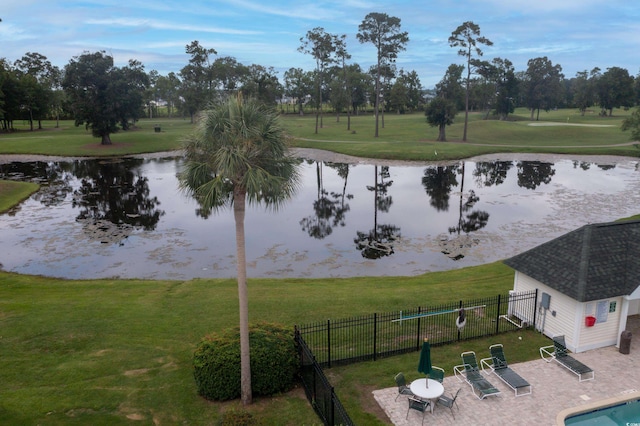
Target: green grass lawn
<point>119,351</point>
<point>69,140</point>
<point>408,137</point>
<point>404,137</point>
<point>12,192</point>
<point>99,351</point>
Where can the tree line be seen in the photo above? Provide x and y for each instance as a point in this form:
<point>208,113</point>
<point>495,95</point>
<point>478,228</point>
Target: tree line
<point>95,93</point>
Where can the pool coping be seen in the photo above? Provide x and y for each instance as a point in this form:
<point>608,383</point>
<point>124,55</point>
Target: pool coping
<point>603,403</point>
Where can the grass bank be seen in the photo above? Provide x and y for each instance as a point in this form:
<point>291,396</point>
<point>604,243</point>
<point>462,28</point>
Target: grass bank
<point>404,137</point>
<point>112,351</point>
<point>12,192</point>
<point>408,137</point>
<point>70,141</point>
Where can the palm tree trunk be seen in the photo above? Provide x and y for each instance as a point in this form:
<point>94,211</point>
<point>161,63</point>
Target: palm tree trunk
<point>243,297</point>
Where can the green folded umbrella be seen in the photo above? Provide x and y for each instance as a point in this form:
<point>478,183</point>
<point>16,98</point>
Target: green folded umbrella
<point>424,366</point>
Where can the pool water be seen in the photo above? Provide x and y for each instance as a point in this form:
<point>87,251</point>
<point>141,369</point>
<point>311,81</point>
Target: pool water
<point>627,414</point>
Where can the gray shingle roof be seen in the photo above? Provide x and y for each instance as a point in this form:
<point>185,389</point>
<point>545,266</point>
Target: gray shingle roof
<point>596,261</point>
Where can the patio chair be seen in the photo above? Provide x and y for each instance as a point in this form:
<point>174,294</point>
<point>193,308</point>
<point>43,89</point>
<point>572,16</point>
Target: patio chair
<point>437,374</point>
<point>470,373</point>
<point>497,364</point>
<point>417,404</point>
<point>449,402</point>
<point>403,389</point>
<point>559,353</point>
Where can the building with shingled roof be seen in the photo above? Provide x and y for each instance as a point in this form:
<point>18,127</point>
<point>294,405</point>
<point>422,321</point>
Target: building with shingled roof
<point>588,283</point>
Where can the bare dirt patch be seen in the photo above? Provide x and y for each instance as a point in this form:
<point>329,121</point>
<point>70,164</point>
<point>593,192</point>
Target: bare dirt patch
<point>138,372</point>
<point>135,416</point>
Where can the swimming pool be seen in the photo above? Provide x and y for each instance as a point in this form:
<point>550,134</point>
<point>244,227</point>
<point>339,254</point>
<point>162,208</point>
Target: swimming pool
<point>612,412</point>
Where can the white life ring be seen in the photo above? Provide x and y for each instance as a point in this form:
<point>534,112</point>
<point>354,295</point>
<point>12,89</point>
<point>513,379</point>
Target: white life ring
<point>461,321</point>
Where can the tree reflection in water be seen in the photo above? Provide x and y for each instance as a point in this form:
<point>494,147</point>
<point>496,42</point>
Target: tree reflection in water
<point>532,174</point>
<point>60,229</point>
<point>113,200</point>
<point>378,242</point>
<point>329,208</point>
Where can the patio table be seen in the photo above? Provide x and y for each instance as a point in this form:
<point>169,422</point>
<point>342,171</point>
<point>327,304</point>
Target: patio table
<point>432,392</point>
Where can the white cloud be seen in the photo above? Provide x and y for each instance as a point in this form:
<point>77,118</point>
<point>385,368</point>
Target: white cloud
<point>158,25</point>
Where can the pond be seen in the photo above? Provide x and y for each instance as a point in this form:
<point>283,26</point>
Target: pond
<point>127,218</point>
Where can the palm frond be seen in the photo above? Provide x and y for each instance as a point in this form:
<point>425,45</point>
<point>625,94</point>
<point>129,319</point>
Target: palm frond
<point>239,143</point>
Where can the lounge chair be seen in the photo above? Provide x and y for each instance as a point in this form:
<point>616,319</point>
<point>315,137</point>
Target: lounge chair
<point>437,374</point>
<point>403,389</point>
<point>470,373</point>
<point>497,364</point>
<point>561,356</point>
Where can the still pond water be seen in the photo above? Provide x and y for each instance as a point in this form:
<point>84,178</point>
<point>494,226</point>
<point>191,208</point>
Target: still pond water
<point>127,218</point>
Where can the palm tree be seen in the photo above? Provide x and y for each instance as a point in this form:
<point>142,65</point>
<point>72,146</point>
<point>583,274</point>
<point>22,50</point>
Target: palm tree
<point>238,152</point>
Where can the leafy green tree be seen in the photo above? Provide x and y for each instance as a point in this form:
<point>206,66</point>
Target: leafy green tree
<point>467,37</point>
<point>636,87</point>
<point>132,86</point>
<point>584,89</point>
<point>197,78</point>
<point>384,32</point>
<point>168,89</point>
<point>502,85</point>
<point>262,83</point>
<point>615,89</point>
<point>3,76</point>
<point>413,87</point>
<point>32,98</point>
<point>10,95</point>
<point>341,93</point>
<point>102,96</point>
<point>237,153</point>
<point>38,80</point>
<point>398,97</point>
<point>359,83</point>
<point>542,86</point>
<point>387,73</point>
<point>229,74</point>
<point>632,123</point>
<point>338,95</point>
<point>151,96</point>
<point>440,113</point>
<point>319,44</point>
<point>450,87</point>
<point>297,85</point>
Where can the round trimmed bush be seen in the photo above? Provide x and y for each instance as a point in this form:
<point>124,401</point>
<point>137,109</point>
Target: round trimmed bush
<point>274,362</point>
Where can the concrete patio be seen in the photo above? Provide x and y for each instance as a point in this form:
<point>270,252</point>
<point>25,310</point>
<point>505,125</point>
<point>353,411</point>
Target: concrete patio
<point>554,389</point>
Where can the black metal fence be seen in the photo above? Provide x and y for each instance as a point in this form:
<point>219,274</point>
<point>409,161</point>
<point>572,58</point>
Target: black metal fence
<point>319,391</point>
<point>375,336</point>
<point>379,335</point>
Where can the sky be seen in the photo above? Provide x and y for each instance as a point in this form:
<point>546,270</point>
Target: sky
<point>576,34</point>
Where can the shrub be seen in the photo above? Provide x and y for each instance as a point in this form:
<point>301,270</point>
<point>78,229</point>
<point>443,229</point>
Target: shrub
<point>274,362</point>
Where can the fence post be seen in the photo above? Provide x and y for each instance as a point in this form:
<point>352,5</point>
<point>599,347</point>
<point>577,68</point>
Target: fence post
<point>375,335</point>
<point>332,416</point>
<point>418,330</point>
<point>498,315</point>
<point>329,343</point>
<point>535,310</point>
